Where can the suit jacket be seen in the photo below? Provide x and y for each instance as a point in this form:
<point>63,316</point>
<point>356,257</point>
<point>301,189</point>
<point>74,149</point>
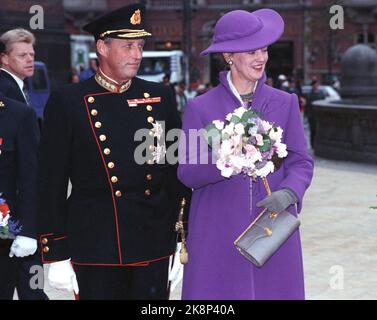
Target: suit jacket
<point>119,212</point>
<point>19,134</point>
<point>10,88</point>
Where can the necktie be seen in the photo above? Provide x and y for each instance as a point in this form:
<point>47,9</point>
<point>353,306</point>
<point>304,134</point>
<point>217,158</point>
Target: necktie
<point>26,93</point>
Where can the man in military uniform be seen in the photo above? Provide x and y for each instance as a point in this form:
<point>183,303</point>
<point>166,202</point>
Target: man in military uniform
<point>113,236</point>
<point>19,135</point>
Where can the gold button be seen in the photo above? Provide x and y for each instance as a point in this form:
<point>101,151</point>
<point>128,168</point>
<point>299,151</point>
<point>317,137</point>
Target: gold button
<point>107,151</point>
<point>146,95</point>
<point>46,249</point>
<point>150,119</point>
<point>149,108</point>
<point>90,99</point>
<point>147,192</point>
<point>98,124</point>
<point>94,112</point>
<point>102,137</point>
<point>149,177</point>
<point>118,193</point>
<point>114,179</point>
<point>44,241</point>
<point>111,165</point>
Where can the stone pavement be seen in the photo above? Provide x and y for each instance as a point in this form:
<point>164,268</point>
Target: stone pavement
<point>339,233</point>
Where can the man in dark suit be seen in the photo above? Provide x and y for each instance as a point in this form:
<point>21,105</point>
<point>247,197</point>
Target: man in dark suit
<point>17,63</point>
<point>19,135</point>
<point>113,237</point>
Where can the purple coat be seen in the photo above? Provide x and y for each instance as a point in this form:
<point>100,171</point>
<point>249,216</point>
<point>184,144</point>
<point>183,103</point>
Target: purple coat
<point>221,208</point>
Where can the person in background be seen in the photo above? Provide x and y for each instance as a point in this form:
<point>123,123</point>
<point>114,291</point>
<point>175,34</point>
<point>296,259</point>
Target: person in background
<point>91,71</point>
<point>314,94</point>
<point>17,64</point>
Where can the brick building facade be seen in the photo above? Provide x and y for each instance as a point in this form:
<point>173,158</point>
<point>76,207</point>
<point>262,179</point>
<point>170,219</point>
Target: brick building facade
<point>308,47</point>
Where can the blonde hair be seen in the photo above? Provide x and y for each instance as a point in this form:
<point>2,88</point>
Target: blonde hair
<point>16,35</point>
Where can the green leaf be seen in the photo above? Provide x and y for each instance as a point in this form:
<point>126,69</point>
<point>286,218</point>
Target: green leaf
<point>266,144</point>
<point>211,133</point>
<point>234,119</point>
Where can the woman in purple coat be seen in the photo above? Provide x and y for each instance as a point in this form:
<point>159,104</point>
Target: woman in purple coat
<point>221,208</point>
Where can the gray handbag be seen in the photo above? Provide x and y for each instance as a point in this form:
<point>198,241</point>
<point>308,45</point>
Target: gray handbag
<point>264,236</point>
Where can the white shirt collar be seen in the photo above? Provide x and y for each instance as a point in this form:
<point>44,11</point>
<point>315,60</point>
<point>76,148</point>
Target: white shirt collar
<point>233,88</point>
<point>17,79</point>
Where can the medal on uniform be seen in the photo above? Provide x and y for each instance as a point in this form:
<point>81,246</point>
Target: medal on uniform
<point>135,102</point>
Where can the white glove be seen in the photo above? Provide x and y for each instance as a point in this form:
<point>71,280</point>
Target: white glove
<point>22,247</point>
<point>61,276</point>
<point>176,272</point>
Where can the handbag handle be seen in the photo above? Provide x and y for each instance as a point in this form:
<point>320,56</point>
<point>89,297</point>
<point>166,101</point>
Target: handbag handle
<point>274,214</point>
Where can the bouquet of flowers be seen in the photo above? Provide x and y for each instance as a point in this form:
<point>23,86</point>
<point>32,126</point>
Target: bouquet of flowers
<point>244,143</point>
<point>9,229</point>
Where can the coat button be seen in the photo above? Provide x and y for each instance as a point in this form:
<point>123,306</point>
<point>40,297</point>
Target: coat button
<point>102,137</point>
<point>107,151</point>
<point>94,112</point>
<point>44,240</point>
<point>147,192</point>
<point>111,165</point>
<point>90,99</point>
<point>150,119</point>
<point>118,193</point>
<point>98,124</point>
<point>149,108</point>
<point>146,95</point>
<point>46,249</point>
<point>149,177</point>
<point>114,179</point>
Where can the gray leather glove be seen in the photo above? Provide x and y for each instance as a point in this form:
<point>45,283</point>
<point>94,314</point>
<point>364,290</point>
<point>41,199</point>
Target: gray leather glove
<point>278,201</point>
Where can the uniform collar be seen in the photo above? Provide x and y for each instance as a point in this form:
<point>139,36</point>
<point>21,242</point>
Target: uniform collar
<point>110,84</point>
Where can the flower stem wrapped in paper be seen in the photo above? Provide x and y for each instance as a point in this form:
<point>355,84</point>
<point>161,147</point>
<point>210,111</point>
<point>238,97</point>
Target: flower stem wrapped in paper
<point>245,143</point>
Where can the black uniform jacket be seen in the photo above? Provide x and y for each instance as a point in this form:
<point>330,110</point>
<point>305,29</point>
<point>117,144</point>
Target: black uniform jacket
<point>10,88</point>
<point>19,137</point>
<point>119,212</point>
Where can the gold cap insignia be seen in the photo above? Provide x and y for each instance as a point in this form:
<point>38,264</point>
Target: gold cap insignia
<point>136,18</point>
<point>2,105</point>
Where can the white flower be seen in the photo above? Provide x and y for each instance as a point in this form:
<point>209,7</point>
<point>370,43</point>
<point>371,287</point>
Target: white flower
<point>229,116</point>
<point>226,148</point>
<point>268,168</point>
<point>218,124</point>
<point>281,149</point>
<point>229,129</point>
<point>239,128</point>
<point>259,139</point>
<point>276,135</point>
<point>239,112</point>
<point>226,170</point>
<point>266,125</point>
<point>4,221</point>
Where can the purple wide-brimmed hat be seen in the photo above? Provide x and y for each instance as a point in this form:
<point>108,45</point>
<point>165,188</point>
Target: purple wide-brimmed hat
<point>242,31</point>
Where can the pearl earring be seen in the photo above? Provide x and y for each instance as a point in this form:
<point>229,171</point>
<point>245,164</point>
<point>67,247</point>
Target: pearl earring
<point>230,62</point>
